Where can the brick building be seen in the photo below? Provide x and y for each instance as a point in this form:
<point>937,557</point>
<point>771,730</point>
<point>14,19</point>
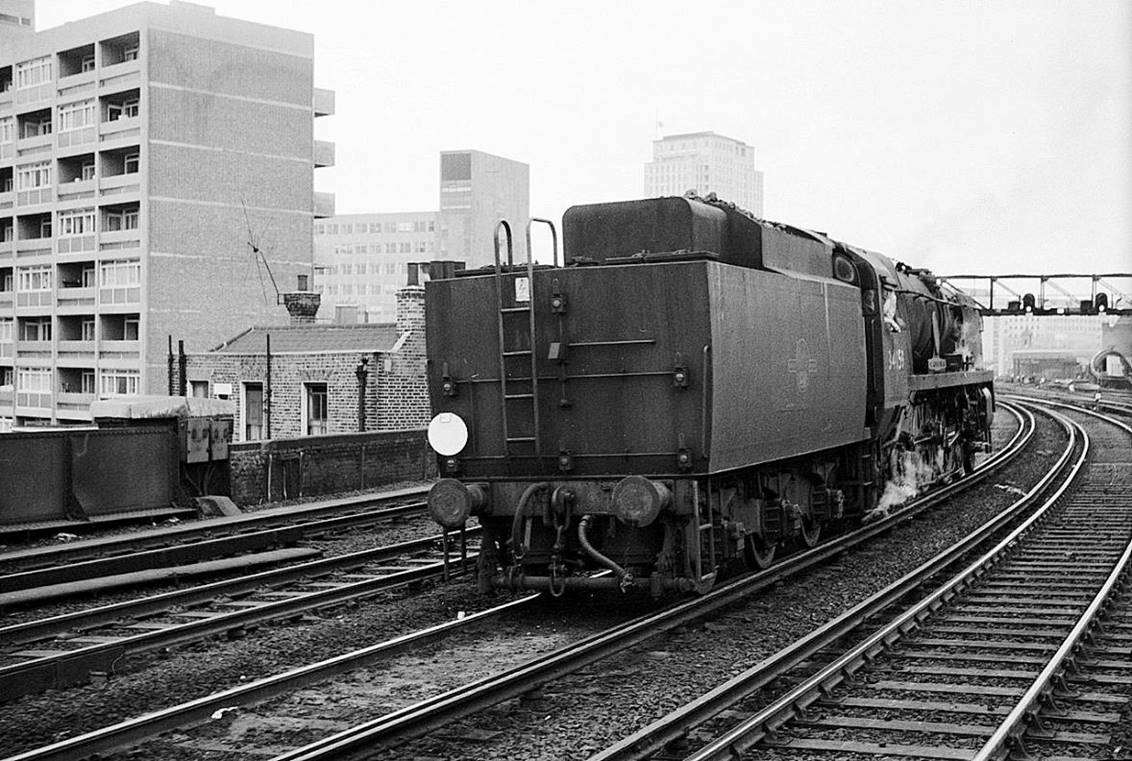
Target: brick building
<point>141,151</point>
<point>324,379</point>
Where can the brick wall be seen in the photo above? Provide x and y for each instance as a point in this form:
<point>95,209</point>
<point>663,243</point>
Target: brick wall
<point>310,466</point>
<point>395,397</point>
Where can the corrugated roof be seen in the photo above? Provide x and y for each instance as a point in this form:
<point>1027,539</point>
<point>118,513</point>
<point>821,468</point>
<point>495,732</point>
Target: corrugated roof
<point>369,337</point>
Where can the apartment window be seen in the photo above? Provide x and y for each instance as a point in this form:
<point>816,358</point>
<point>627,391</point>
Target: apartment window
<point>76,115</point>
<point>253,411</point>
<point>404,227</point>
<point>6,280</point>
<point>126,219</point>
<point>130,328</point>
<point>88,332</point>
<point>315,408</point>
<point>34,72</point>
<point>88,277</point>
<point>390,227</point>
<point>45,227</point>
<point>76,222</point>
<point>346,229</point>
<point>390,248</point>
<point>33,176</point>
<point>35,329</point>
<point>87,63</point>
<point>88,382</point>
<point>34,278</point>
<point>130,163</point>
<point>374,227</point>
<point>130,53</point>
<point>319,229</point>
<point>119,273</point>
<point>130,107</point>
<point>87,170</point>
<point>389,268</point>
<point>7,130</point>
<point>8,232</point>
<point>5,329</point>
<point>35,380</point>
<point>120,382</point>
<point>362,268</point>
<point>347,269</point>
<point>406,247</point>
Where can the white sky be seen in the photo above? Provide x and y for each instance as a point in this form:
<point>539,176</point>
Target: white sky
<point>962,136</point>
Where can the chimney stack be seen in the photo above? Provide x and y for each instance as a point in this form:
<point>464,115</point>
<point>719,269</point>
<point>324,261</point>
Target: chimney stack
<point>302,304</point>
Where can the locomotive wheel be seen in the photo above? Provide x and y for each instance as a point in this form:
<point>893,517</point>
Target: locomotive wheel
<point>759,552</point>
<point>810,533</point>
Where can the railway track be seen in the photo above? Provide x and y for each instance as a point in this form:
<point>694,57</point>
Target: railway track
<point>71,649</point>
<point>489,690</point>
<point>1008,655</point>
<point>71,568</point>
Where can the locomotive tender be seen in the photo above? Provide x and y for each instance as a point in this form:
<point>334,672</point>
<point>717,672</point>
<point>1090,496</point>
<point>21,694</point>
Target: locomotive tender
<point>692,390</point>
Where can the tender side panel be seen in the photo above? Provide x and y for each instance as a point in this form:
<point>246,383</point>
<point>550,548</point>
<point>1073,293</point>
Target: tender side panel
<point>789,368</point>
<point>615,405</point>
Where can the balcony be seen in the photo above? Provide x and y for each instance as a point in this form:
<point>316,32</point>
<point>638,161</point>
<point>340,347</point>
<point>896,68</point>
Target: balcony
<point>323,205</point>
<point>323,153</point>
<point>7,199</point>
<point>76,189</point>
<point>7,396</point>
<point>121,76</point>
<point>71,298</point>
<point>323,102</point>
<point>34,401</point>
<point>126,128</point>
<point>34,298</point>
<point>33,247</point>
<point>77,350</point>
<point>46,194</point>
<point>7,351</point>
<point>120,183</point>
<point>30,146</point>
<point>6,300</point>
<point>75,84</point>
<point>7,98</point>
<point>73,406</point>
<point>76,137</point>
<point>119,349</point>
<point>33,349</point>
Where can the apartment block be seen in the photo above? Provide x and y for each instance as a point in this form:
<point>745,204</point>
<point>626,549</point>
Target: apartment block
<point>705,162</point>
<point>156,180</point>
<point>362,260</point>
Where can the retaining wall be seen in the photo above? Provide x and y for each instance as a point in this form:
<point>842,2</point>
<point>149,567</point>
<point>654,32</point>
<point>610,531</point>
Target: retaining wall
<point>265,471</point>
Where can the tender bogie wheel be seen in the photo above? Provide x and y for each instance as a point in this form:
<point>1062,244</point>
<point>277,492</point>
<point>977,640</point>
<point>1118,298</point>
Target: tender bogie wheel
<point>759,552</point>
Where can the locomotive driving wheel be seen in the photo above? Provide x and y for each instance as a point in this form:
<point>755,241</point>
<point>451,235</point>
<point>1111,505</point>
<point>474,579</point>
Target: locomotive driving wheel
<point>760,553</point>
<point>810,533</point>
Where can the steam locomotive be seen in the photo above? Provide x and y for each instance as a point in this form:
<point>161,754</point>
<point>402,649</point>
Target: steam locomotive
<point>691,391</point>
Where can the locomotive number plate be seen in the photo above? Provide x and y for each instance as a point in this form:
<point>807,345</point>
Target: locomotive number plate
<point>522,289</point>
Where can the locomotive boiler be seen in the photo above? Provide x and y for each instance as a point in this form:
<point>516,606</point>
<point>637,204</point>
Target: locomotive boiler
<point>689,391</point>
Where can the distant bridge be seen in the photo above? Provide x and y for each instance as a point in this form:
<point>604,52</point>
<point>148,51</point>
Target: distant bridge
<point>1057,294</point>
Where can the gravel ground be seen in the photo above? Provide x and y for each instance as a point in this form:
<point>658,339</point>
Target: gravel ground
<point>572,717</point>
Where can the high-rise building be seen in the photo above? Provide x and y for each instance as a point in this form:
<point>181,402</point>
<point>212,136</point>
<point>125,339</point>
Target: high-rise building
<point>362,260</point>
<point>477,190</point>
<point>706,163</point>
<point>156,180</point>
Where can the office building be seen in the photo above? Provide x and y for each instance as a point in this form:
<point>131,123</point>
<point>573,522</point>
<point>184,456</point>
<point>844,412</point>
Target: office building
<point>477,190</point>
<point>156,180</point>
<point>705,163</point>
<point>361,262</point>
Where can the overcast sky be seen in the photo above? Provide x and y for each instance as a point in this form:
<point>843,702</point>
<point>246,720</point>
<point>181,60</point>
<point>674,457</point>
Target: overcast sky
<point>961,136</point>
